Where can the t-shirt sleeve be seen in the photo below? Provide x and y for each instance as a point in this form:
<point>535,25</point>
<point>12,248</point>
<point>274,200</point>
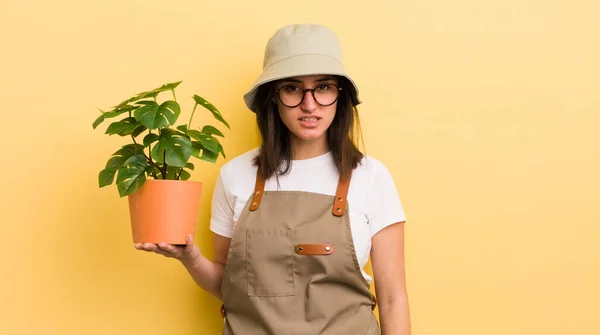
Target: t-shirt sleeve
<point>221,219</point>
<point>385,206</point>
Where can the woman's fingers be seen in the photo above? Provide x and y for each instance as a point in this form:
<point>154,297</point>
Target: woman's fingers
<point>169,249</point>
<point>149,246</point>
<point>189,243</point>
<point>154,248</point>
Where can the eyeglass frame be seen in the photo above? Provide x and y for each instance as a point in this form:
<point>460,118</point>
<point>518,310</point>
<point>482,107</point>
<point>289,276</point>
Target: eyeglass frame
<point>312,92</point>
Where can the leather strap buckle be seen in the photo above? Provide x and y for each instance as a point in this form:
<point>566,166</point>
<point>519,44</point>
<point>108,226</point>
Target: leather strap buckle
<point>339,203</point>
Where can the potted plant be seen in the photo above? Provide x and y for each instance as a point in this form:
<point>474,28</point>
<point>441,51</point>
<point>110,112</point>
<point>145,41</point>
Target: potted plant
<point>153,170</point>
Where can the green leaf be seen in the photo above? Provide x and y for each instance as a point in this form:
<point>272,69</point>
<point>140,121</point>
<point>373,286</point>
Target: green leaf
<point>132,174</point>
<point>151,94</point>
<point>204,103</point>
<point>208,142</point>
<point>168,87</point>
<point>218,147</point>
<point>139,96</point>
<point>115,112</point>
<point>114,128</point>
<point>183,128</point>
<point>123,154</point>
<point>175,147</point>
<point>106,176</point>
<point>137,131</point>
<point>145,95</point>
<point>210,130</point>
<point>195,134</point>
<point>98,121</point>
<point>119,110</point>
<point>149,139</point>
<point>155,116</point>
<point>147,116</point>
<point>221,151</point>
<point>156,91</point>
<point>146,102</point>
<point>189,166</point>
<point>124,127</point>
<point>201,152</point>
<point>196,149</point>
<point>185,175</point>
<point>172,172</point>
<point>171,110</point>
<point>209,156</point>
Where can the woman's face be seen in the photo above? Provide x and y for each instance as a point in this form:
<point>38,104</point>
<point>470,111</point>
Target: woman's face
<point>310,119</point>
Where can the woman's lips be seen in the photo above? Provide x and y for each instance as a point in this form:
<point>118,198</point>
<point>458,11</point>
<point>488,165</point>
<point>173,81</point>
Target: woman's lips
<point>309,121</point>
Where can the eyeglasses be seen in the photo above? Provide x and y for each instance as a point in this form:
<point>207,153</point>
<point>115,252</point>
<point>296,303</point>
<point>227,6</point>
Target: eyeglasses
<point>292,95</point>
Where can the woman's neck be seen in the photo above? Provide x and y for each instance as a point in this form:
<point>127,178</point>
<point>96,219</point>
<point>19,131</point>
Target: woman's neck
<point>308,149</point>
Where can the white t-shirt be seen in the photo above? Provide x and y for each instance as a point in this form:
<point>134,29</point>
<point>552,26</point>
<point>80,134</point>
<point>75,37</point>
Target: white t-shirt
<point>373,198</point>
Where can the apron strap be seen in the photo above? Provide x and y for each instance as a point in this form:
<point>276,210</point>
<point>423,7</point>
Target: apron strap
<point>339,203</point>
<point>259,189</point>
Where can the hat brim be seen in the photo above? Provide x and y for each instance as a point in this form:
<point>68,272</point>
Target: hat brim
<point>300,65</point>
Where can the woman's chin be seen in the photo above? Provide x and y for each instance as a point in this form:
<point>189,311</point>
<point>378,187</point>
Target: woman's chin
<point>309,136</point>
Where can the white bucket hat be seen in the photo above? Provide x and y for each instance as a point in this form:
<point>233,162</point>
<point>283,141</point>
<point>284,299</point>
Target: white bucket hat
<point>297,50</point>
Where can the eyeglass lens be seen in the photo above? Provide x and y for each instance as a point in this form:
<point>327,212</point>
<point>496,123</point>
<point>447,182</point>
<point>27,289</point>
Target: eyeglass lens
<point>292,95</point>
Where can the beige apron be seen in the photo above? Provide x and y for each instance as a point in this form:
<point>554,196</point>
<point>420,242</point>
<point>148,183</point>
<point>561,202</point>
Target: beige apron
<point>292,268</point>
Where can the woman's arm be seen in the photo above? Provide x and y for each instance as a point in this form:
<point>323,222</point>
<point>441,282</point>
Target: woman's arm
<point>208,275</point>
<point>387,258</point>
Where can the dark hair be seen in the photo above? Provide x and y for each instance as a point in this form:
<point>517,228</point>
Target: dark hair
<point>275,152</point>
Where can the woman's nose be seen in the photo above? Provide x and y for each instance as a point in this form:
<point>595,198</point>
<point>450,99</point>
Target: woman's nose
<point>308,103</point>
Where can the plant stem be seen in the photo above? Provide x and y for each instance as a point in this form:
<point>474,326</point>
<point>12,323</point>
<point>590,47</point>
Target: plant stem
<point>154,172</point>
<point>150,157</point>
<point>164,172</point>
<point>133,138</point>
<point>188,127</point>
<point>174,97</point>
<point>191,116</point>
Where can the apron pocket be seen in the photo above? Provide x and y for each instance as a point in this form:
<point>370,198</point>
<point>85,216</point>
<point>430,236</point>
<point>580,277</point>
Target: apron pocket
<point>270,262</point>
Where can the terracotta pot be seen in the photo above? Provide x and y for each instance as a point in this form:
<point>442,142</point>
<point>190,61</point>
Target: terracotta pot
<point>164,211</point>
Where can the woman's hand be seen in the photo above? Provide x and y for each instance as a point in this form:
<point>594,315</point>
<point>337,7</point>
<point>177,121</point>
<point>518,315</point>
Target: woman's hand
<point>184,253</point>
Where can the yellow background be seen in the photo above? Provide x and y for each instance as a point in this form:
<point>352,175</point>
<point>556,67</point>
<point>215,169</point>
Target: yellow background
<point>485,112</point>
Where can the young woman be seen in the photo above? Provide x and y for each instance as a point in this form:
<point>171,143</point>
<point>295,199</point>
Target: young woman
<point>296,219</point>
